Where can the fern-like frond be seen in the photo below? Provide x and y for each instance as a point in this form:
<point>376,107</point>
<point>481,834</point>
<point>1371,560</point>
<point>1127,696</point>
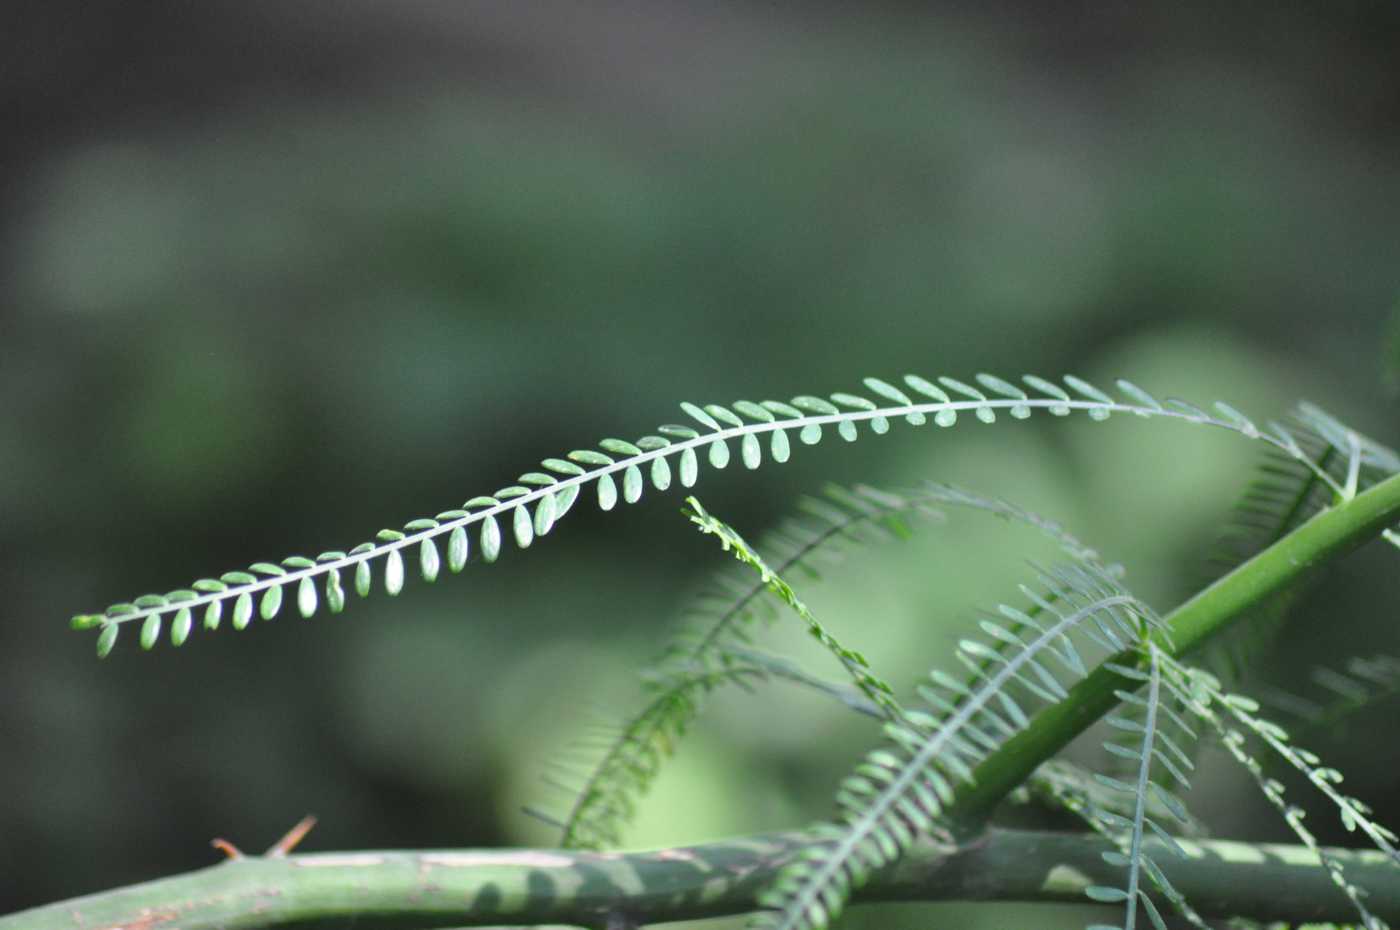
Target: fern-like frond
<point>619,470</point>
<point>1154,741</point>
<point>1205,695</point>
<point>900,791</point>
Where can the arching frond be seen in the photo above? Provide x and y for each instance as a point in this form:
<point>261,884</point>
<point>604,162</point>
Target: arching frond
<point>900,791</point>
<point>619,470</point>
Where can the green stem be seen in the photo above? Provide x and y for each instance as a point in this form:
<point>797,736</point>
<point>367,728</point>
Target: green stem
<point>600,890</point>
<point>1325,537</point>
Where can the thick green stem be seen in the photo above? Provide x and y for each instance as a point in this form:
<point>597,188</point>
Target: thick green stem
<point>598,890</point>
<point>1328,535</point>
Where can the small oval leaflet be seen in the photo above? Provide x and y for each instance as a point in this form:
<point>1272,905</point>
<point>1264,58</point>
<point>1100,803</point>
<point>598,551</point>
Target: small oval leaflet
<point>753,411</point>
<point>271,602</point>
<point>564,500</point>
<point>632,484</point>
<point>150,631</point>
<point>590,457</point>
<point>607,492</point>
<point>428,560</point>
<point>779,446</point>
<point>544,515</point>
<point>457,549</point>
<point>393,572</point>
<point>750,451</point>
<point>335,594</point>
<point>719,454</point>
<point>213,614</point>
<point>107,639</point>
<point>522,526</point>
<point>1106,894</point>
<point>620,447</point>
<point>723,414</point>
<point>699,415</point>
<point>660,473</point>
<point>242,611</point>
<point>816,405</point>
<point>887,391</point>
<point>363,579</point>
<point>306,596</point>
<point>180,626</point>
<point>490,539</point>
<point>689,468</point>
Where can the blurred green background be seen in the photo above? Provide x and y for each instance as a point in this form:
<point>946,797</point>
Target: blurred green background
<point>277,275</point>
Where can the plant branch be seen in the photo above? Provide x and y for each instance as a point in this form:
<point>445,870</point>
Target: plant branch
<point>525,887</point>
<point>1325,537</point>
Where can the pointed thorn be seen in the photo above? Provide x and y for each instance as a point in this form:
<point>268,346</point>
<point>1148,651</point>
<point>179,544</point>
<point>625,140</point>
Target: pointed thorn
<point>294,836</point>
<point>228,849</point>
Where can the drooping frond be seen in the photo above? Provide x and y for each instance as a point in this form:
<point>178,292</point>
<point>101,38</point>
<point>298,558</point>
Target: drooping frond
<point>1153,742</point>
<point>901,789</point>
<point>619,470</point>
<point>1205,696</point>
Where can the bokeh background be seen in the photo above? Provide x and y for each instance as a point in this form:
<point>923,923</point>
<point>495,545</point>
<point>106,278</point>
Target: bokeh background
<point>275,275</point>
